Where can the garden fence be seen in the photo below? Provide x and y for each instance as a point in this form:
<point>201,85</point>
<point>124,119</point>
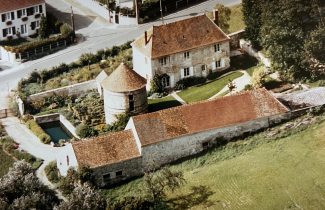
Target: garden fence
<point>41,51</point>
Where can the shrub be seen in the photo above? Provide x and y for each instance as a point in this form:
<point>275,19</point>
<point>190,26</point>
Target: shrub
<point>65,29</point>
<point>131,203</point>
<point>188,82</point>
<point>84,131</point>
<point>52,172</point>
<point>38,131</point>
<point>258,78</point>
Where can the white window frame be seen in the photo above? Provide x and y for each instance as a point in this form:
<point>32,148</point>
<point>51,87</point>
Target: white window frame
<point>8,16</point>
<point>218,64</point>
<point>187,72</point>
<point>36,10</point>
<point>23,13</point>
<point>24,31</point>
<point>217,48</point>
<point>165,81</point>
<point>187,55</point>
<point>163,61</point>
<point>203,67</point>
<point>37,24</point>
<point>9,29</point>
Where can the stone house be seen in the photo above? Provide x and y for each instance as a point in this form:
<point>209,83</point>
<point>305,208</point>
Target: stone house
<point>21,16</point>
<point>186,48</point>
<point>167,135</point>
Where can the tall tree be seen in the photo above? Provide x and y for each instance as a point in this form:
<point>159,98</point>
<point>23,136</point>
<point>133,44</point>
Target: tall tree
<point>224,17</point>
<point>286,25</point>
<point>252,11</point>
<point>43,30</point>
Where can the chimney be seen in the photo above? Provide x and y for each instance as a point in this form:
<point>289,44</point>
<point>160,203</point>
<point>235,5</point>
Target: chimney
<point>216,17</point>
<point>145,38</point>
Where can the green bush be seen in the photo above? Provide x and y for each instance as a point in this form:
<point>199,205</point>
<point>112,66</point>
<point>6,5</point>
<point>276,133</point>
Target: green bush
<point>24,156</point>
<point>131,203</point>
<point>65,29</point>
<point>38,131</point>
<point>188,82</point>
<point>52,172</point>
<point>84,131</point>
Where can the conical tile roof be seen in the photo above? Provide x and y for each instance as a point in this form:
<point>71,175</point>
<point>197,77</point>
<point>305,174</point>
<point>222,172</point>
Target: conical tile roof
<point>123,79</point>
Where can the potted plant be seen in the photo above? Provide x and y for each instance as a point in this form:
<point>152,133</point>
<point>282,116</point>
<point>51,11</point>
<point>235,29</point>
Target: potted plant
<point>24,18</point>
<point>9,23</point>
<point>37,15</point>
<point>9,38</point>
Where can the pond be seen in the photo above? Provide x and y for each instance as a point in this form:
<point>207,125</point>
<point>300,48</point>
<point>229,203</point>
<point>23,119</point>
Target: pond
<point>56,131</point>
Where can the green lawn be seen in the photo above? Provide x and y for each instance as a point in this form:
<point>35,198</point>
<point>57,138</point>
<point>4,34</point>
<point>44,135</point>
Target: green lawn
<point>162,103</point>
<point>282,172</point>
<point>5,163</point>
<point>205,91</point>
<point>244,62</point>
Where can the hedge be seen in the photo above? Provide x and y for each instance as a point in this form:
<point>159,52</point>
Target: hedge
<point>38,131</point>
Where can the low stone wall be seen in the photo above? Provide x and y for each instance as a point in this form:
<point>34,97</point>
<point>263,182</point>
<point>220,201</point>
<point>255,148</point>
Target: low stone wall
<point>47,118</point>
<point>235,39</point>
<point>7,56</point>
<point>75,89</point>
<point>68,126</point>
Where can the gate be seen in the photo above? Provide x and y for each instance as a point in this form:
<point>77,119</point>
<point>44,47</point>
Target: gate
<point>4,113</point>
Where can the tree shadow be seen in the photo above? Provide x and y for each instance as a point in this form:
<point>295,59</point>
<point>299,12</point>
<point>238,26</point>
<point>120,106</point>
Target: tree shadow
<point>199,196</point>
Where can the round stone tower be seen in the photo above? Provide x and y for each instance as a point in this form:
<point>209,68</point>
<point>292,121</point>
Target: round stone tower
<point>124,90</point>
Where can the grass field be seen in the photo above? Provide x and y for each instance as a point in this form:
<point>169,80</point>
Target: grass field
<point>236,22</point>
<point>205,91</point>
<point>162,103</point>
<point>5,163</point>
<point>281,172</point>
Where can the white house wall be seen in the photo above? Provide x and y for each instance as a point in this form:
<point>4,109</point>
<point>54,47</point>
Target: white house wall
<point>142,65</point>
<point>62,159</point>
<point>17,22</point>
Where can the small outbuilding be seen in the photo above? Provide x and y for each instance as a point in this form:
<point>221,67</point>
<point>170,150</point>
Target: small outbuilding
<point>124,90</point>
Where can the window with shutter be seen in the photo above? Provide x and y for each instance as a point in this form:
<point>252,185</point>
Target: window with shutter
<point>12,15</point>
<point>33,25</point>
<point>14,30</point>
<point>4,32</point>
<point>40,9</point>
<point>3,17</point>
<point>19,13</point>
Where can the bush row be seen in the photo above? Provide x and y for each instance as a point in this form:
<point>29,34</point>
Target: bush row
<point>188,82</point>
<point>38,131</point>
<point>10,146</point>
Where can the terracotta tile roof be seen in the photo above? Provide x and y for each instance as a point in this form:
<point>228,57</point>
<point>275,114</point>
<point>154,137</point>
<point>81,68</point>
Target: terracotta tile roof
<point>305,98</point>
<point>123,79</point>
<point>192,118</point>
<point>180,36</point>
<point>9,5</point>
<point>107,149</point>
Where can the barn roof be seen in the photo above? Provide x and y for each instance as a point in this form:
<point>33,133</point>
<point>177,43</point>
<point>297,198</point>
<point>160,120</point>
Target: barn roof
<point>180,36</point>
<point>123,79</point>
<point>9,5</point>
<point>107,149</point>
<point>187,119</point>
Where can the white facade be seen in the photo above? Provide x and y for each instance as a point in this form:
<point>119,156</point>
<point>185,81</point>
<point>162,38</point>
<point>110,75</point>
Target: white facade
<point>23,20</point>
<point>66,159</point>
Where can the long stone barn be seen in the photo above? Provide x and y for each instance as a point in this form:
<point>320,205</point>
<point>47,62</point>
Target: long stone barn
<point>167,135</point>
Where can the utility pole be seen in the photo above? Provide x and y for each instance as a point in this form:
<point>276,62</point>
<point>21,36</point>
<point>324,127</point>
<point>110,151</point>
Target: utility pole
<point>162,18</point>
<point>109,12</point>
<point>136,11</point>
<point>72,21</point>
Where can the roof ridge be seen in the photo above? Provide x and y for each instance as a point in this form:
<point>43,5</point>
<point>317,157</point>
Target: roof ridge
<point>100,137</point>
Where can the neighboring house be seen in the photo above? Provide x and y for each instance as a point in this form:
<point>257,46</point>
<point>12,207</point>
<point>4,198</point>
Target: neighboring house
<point>167,135</point>
<point>186,48</point>
<point>20,16</point>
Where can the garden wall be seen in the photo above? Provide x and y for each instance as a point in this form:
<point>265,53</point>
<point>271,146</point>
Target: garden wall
<point>68,126</point>
<point>20,106</point>
<point>75,89</point>
<point>235,39</point>
<point>7,56</point>
<point>47,118</point>
<point>247,47</point>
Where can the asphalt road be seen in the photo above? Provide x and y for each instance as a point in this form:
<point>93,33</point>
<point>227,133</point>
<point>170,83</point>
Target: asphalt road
<point>97,36</point>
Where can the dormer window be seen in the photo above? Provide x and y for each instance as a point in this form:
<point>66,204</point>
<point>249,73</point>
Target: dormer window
<point>186,55</point>
<point>217,48</point>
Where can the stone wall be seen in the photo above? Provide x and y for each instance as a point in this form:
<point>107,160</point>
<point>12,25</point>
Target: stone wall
<point>247,47</point>
<point>198,57</point>
<point>173,149</point>
<point>76,89</point>
<point>47,118</point>
<point>235,39</point>
<point>129,168</point>
<point>66,159</point>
